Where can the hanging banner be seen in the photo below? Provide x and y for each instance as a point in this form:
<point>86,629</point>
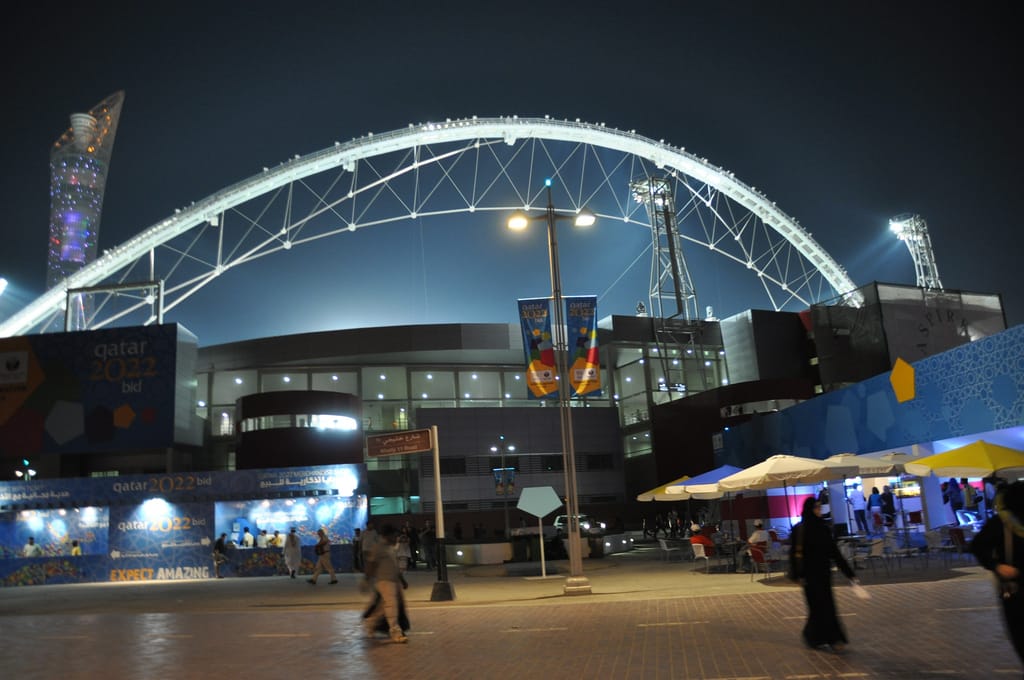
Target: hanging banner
<point>504,481</point>
<point>535,321</point>
<point>584,362</point>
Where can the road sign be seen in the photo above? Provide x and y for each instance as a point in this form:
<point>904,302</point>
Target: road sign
<point>539,500</point>
<point>396,443</point>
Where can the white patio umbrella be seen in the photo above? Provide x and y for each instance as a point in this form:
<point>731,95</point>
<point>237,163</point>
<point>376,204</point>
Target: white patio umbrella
<point>866,466</point>
<point>784,470</point>
<point>705,485</point>
<point>661,493</point>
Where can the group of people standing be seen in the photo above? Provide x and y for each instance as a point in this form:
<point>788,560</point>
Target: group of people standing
<point>875,513</point>
<point>670,525</point>
<point>412,546</point>
<point>290,545</point>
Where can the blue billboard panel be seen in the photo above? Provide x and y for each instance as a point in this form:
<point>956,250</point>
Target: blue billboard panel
<point>93,391</point>
<point>54,530</point>
<point>338,480</point>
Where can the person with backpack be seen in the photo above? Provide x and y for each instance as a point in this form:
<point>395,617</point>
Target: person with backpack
<point>323,558</point>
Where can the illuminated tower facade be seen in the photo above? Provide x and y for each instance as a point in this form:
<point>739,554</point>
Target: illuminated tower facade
<point>79,162</point>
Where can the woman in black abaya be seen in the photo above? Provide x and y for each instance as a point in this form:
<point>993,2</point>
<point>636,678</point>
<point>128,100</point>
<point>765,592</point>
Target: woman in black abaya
<point>812,551</point>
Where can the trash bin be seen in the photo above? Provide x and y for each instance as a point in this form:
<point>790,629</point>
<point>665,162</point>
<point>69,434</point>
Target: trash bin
<point>520,548</point>
<point>533,547</point>
<point>596,546</point>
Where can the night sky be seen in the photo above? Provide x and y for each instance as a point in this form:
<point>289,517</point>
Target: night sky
<point>844,114</point>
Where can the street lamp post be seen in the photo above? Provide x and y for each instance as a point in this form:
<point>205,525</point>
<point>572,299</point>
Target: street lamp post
<point>503,447</point>
<point>28,473</point>
<point>576,583</point>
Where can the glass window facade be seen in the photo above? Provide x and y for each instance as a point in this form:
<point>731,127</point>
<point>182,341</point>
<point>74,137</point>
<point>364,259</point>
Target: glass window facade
<point>336,381</point>
<point>382,383</point>
<point>284,381</point>
<point>480,385</point>
<point>229,386</point>
<point>429,385</point>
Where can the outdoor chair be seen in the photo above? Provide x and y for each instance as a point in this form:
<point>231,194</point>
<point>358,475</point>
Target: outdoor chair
<point>699,554</point>
<point>873,553</point>
<point>937,547</point>
<point>915,518</point>
<point>667,550</point>
<point>895,552</point>
<point>959,541</point>
<point>761,560</point>
<point>877,522</point>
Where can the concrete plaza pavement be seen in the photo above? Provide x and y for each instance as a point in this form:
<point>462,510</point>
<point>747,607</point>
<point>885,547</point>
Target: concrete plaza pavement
<point>646,618</point>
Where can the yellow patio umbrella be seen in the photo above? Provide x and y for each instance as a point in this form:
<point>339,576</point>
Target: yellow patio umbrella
<point>660,493</point>
<point>980,459</point>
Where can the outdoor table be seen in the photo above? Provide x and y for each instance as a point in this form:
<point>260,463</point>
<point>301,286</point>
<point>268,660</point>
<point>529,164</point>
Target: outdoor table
<point>731,549</point>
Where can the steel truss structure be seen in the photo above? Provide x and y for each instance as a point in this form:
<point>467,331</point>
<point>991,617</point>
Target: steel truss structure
<point>433,170</point>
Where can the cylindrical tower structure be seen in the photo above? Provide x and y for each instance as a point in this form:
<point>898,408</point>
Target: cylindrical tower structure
<point>79,162</point>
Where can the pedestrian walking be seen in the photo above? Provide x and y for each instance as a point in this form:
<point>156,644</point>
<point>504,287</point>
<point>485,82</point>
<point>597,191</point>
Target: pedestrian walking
<point>414,542</point>
<point>403,550</point>
<point>812,551</point>
<point>220,555</point>
<point>999,547</point>
<point>357,550</point>
<point>292,552</point>
<point>323,559</point>
<point>888,506</point>
<point>369,540</point>
<point>384,575</point>
<point>428,542</point>
<point>858,504</point>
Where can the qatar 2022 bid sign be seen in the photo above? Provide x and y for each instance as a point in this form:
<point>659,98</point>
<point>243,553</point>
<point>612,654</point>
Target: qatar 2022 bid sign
<point>97,391</point>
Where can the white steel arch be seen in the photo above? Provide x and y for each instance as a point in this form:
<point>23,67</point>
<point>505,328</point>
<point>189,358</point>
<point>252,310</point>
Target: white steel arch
<point>428,160</point>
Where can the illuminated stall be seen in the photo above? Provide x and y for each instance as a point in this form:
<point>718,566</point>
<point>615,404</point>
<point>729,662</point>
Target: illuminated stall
<point>162,527</point>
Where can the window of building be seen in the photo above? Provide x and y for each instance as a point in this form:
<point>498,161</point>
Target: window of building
<point>453,466</point>
<point>223,422</point>
<point>336,381</point>
<point>637,444</point>
<point>381,416</point>
<point>630,379</point>
<point>380,383</point>
<point>634,409</point>
<point>479,385</point>
<point>202,390</point>
<point>552,463</point>
<point>284,380</point>
<point>514,386</point>
<point>229,386</point>
<point>429,385</point>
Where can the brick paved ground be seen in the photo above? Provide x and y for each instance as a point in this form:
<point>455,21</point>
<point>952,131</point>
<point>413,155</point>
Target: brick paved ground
<point>646,619</point>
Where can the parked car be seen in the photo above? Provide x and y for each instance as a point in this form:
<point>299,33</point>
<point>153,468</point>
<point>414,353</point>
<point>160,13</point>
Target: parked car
<point>588,525</point>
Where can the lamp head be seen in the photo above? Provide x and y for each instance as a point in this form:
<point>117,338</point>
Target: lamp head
<point>585,218</point>
<point>518,221</point>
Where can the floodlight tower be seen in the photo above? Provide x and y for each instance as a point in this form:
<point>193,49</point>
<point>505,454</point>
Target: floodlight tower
<point>913,230</point>
<point>669,276</point>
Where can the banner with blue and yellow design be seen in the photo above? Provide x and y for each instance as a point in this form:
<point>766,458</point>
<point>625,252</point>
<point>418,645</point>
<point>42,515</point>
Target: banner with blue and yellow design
<point>581,334</point>
<point>584,367</point>
<point>539,346</point>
